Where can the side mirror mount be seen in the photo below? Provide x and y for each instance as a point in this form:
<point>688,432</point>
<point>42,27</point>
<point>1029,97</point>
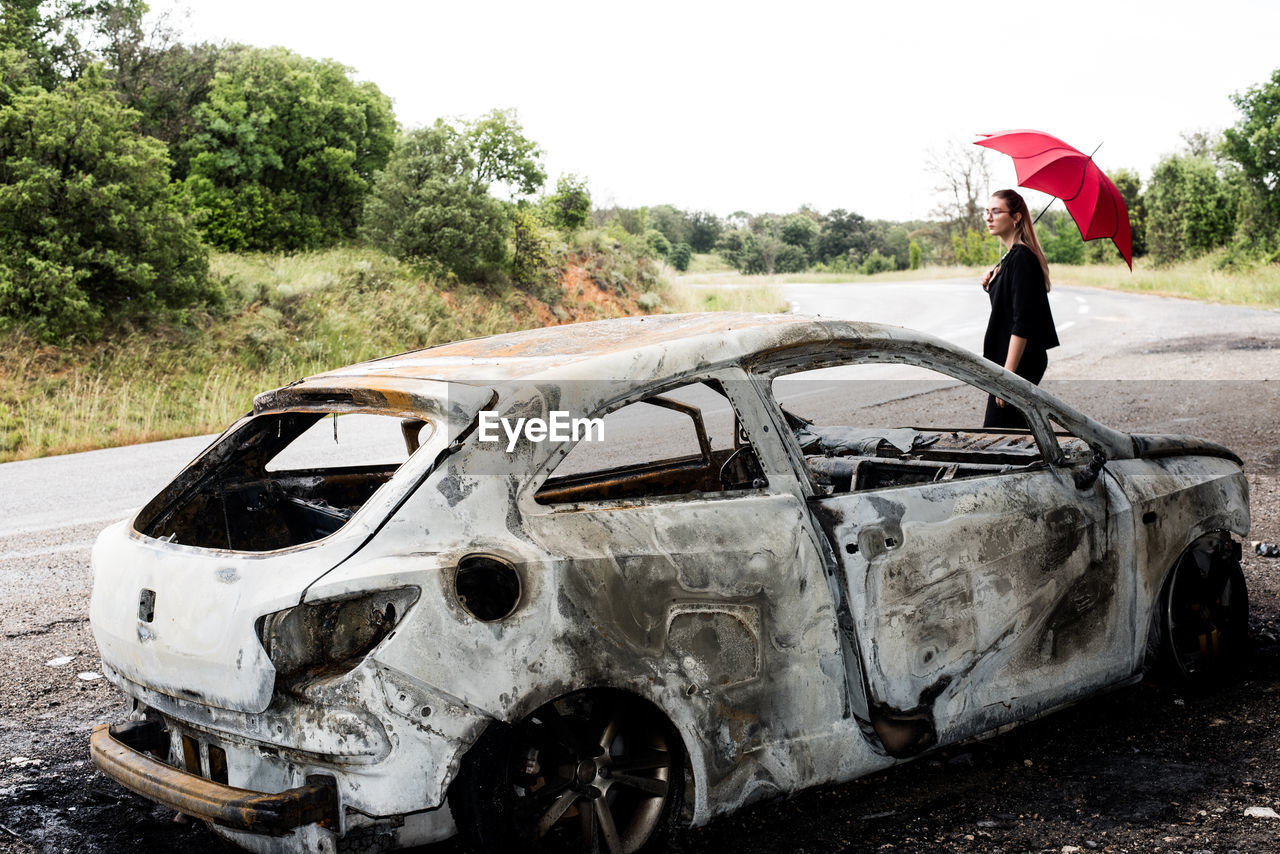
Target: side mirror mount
<point>1087,475</point>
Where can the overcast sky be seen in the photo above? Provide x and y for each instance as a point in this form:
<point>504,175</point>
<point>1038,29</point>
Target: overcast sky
<point>770,106</point>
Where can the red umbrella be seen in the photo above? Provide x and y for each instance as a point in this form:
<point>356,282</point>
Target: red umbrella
<point>1048,164</point>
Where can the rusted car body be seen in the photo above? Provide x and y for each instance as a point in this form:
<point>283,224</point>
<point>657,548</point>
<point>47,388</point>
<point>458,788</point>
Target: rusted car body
<point>323,654</point>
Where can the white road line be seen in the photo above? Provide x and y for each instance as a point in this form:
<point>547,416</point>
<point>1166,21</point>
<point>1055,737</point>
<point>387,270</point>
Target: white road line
<point>1062,327</point>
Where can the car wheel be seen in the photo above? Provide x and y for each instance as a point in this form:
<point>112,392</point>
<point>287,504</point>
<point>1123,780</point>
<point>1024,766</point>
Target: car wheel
<point>1204,611</point>
<point>591,772</point>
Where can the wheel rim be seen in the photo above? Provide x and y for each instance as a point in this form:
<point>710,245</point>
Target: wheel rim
<point>1207,617</point>
<point>590,777</point>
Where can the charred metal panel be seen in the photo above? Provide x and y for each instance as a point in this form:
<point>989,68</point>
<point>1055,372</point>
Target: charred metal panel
<point>257,812</point>
<point>980,602</point>
<point>1175,501</point>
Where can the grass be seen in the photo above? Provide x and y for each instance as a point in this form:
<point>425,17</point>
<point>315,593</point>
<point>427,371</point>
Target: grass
<point>290,316</point>
<point>750,297</point>
<point>1199,279</point>
<point>708,262</point>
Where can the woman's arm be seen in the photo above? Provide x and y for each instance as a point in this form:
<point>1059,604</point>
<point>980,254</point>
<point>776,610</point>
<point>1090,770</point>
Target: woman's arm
<point>1017,346</point>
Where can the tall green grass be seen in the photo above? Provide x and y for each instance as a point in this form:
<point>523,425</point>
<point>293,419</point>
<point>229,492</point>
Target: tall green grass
<point>1257,286</point>
<point>286,317</point>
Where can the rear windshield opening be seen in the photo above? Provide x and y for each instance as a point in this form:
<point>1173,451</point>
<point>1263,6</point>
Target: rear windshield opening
<point>283,479</point>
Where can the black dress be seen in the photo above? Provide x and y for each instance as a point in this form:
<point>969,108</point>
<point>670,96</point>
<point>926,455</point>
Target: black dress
<point>1019,306</point>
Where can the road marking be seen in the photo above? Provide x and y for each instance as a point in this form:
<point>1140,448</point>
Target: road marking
<point>1062,327</point>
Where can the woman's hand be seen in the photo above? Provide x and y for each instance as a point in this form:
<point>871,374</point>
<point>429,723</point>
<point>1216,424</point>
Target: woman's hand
<point>986,277</point>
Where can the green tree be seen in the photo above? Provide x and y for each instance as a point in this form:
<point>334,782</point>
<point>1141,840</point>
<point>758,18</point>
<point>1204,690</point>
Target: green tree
<point>285,151</point>
<point>503,155</point>
<point>671,221</point>
<point>90,224</point>
<point>914,251</point>
<point>569,207</point>
<point>704,231</point>
<point>975,249</point>
<point>155,74</point>
<point>50,34</point>
<point>431,205</point>
<point>657,242</point>
<point>1190,207</point>
<point>1254,144</point>
<point>843,234</point>
<point>532,269</point>
<point>800,229</point>
<point>1060,239</point>
<point>790,259</point>
<point>681,255</point>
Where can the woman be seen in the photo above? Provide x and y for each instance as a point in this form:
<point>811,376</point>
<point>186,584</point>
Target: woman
<point>1020,330</point>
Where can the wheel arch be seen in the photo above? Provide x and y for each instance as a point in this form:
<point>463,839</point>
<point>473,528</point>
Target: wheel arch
<point>1220,540</point>
<point>670,705</point>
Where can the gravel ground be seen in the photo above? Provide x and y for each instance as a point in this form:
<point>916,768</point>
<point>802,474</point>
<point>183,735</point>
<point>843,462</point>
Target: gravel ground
<point>1144,769</point>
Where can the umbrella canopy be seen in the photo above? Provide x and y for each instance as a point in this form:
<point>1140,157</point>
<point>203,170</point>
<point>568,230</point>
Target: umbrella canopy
<point>1048,164</point>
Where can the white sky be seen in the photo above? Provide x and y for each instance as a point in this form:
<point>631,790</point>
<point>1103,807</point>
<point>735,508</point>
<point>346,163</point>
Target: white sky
<point>768,106</point>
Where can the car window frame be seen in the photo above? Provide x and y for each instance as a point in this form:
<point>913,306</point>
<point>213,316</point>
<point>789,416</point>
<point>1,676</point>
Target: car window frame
<point>765,371</point>
<point>715,377</point>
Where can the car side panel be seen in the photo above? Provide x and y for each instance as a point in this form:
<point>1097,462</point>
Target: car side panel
<point>1175,501</point>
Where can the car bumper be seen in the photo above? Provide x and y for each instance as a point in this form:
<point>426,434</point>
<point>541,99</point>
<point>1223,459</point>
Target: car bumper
<point>121,752</point>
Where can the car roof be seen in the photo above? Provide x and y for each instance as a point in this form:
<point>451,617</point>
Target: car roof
<point>637,351</point>
<point>632,348</point>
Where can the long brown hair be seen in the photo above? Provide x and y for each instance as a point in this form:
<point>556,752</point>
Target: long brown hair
<point>1026,230</point>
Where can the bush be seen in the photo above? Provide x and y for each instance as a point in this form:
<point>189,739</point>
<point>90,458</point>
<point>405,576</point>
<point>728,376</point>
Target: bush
<point>680,257</point>
<point>284,151</point>
<point>532,268</point>
<point>569,208</point>
<point>790,259</point>
<point>975,249</point>
<point>657,242</point>
<point>877,263</point>
<point>428,205</point>
<point>89,223</point>
<point>1060,239</point>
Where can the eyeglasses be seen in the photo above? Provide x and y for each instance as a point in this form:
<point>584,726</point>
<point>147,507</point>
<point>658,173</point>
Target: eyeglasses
<point>992,213</point>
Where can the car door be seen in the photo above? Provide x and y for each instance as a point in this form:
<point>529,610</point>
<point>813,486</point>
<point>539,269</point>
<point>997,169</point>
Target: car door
<point>983,590</point>
<point>714,593</point>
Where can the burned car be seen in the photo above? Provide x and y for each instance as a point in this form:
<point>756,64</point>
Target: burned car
<point>578,585</point>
